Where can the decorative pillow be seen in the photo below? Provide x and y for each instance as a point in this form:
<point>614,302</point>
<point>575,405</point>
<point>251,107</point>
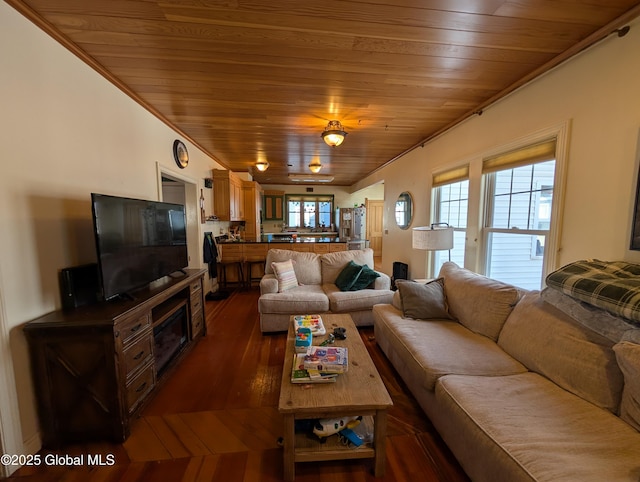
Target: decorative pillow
<point>285,274</point>
<point>423,301</point>
<point>348,276</point>
<point>628,356</point>
<point>367,276</point>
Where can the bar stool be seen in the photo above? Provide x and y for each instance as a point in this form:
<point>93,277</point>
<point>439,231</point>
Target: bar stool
<point>231,256</point>
<point>222,265</point>
<point>254,254</point>
<point>250,262</point>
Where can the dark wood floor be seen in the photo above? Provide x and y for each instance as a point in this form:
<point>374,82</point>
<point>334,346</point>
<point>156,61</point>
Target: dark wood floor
<point>215,419</point>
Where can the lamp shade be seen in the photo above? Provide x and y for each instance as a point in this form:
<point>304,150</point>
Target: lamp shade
<point>432,238</point>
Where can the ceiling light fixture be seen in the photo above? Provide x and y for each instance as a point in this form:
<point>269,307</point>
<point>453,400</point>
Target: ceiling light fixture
<point>262,166</point>
<point>334,133</point>
<point>315,166</point>
<point>310,178</point>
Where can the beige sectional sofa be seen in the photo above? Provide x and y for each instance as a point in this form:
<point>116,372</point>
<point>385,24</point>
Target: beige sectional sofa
<point>317,293</point>
<point>519,390</point>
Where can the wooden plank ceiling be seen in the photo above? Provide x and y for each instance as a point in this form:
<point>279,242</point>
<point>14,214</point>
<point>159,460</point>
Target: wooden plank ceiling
<point>260,79</point>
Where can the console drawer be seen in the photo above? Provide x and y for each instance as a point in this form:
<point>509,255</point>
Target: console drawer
<point>197,324</point>
<point>135,326</point>
<point>195,287</point>
<point>137,354</point>
<point>139,387</point>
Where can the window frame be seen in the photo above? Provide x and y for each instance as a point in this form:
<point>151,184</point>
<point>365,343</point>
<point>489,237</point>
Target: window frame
<point>436,198</point>
<point>552,236</point>
<point>305,198</point>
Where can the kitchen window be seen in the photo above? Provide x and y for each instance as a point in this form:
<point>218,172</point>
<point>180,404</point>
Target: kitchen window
<point>311,212</point>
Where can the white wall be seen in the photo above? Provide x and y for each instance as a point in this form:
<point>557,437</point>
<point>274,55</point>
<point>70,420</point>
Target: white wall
<point>597,93</point>
<point>65,132</point>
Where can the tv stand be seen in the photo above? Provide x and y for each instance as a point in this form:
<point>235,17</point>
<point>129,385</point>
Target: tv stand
<point>96,366</point>
<point>123,297</point>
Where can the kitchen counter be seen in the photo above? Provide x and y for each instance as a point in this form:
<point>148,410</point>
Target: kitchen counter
<point>270,238</point>
<point>301,238</point>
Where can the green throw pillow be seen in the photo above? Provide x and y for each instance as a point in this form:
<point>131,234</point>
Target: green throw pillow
<point>348,276</point>
<point>367,276</point>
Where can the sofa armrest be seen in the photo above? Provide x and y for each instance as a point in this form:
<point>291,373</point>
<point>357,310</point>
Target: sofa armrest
<point>383,282</point>
<point>268,284</point>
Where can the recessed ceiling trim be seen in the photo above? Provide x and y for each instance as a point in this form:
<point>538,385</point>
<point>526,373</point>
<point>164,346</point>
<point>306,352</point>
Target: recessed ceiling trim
<point>310,178</point>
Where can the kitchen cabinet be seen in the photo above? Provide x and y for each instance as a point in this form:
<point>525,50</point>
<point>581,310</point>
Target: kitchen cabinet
<point>273,207</point>
<point>228,196</point>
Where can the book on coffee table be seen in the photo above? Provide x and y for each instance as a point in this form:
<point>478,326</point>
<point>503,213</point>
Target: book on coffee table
<point>299,374</point>
<point>327,359</point>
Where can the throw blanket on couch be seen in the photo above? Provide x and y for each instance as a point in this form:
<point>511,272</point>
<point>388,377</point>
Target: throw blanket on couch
<point>613,286</point>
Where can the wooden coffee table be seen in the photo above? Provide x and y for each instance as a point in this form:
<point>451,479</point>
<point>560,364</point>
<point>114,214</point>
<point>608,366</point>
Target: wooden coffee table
<point>360,391</point>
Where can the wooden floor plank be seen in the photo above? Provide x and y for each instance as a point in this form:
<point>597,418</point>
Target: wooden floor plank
<point>187,437</point>
<point>213,433</point>
<point>143,444</point>
<point>168,437</point>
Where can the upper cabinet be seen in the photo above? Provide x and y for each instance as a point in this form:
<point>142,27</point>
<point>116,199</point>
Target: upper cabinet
<point>273,206</point>
<point>228,196</point>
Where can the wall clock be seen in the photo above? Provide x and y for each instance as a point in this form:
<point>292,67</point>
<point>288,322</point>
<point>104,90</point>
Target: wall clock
<point>180,154</point>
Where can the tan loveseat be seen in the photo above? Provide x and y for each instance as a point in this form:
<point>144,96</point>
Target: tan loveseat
<point>519,390</point>
<point>317,293</point>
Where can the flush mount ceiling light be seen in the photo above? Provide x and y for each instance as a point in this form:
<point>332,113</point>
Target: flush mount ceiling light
<point>310,178</point>
<point>334,134</point>
<point>262,166</point>
<point>315,166</point>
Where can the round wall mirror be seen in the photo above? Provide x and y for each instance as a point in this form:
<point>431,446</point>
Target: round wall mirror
<point>404,210</point>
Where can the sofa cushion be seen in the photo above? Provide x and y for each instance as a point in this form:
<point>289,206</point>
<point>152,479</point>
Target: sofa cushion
<point>333,263</point>
<point>349,301</point>
<point>423,301</point>
<point>285,275</point>
<point>366,278</point>
<point>523,428</point>
<point>479,303</point>
<point>440,347</point>
<point>348,276</point>
<point>306,266</point>
<point>628,356</point>
<point>300,300</point>
<point>551,343</point>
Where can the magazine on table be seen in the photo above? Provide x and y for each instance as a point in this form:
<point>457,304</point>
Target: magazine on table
<point>327,359</point>
<point>299,374</point>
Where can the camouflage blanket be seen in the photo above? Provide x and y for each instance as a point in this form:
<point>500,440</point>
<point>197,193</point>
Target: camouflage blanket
<point>611,285</point>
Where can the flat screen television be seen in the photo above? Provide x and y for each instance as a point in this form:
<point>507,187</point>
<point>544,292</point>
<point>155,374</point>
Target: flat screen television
<point>137,242</point>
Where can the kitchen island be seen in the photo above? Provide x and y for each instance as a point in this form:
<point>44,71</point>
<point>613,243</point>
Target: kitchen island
<point>250,256</point>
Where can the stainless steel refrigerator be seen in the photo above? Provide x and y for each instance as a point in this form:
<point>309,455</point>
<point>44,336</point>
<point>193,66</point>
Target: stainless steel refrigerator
<point>351,227</point>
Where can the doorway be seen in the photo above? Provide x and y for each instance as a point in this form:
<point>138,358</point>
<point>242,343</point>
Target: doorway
<point>374,223</point>
<point>175,188</point>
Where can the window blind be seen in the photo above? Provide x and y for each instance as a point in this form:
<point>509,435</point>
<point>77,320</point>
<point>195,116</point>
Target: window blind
<point>539,152</point>
<point>450,176</point>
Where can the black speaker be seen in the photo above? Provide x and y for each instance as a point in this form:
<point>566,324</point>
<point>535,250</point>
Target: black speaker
<point>400,271</point>
<point>79,286</point>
